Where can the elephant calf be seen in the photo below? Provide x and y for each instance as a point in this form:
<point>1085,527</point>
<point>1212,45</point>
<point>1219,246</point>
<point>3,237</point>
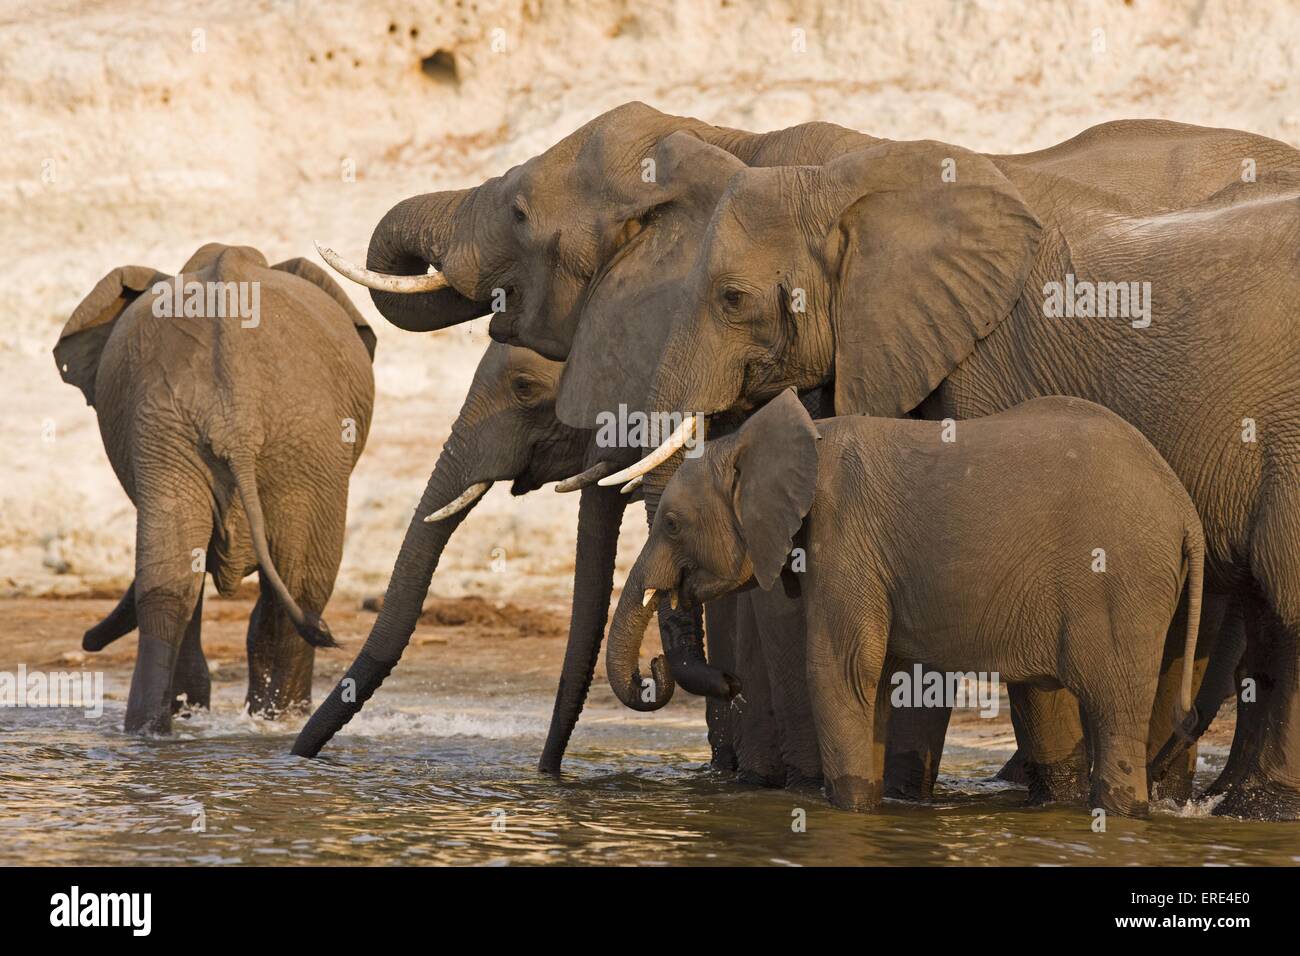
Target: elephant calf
<point>234,400</point>
<point>1048,544</point>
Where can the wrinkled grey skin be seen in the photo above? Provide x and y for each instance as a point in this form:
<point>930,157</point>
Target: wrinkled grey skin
<point>506,431</point>
<point>973,555</point>
<point>235,439</point>
<point>924,295</point>
<point>578,221</point>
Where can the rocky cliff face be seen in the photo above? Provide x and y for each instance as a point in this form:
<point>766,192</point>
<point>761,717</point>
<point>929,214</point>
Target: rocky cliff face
<point>137,131</point>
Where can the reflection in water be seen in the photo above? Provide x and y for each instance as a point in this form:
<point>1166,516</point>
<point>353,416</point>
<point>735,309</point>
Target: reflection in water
<point>451,781</point>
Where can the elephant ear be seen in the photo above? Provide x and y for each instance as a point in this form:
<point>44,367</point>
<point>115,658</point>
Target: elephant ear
<point>84,334</point>
<point>306,269</point>
<point>632,301</point>
<point>930,251</point>
<point>776,477</point>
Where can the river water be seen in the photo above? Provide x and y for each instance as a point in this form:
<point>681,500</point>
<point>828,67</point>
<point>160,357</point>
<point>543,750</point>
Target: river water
<point>425,778</point>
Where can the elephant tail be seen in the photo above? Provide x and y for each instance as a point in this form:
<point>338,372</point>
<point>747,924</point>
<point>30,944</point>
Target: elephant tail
<point>1194,560</point>
<point>1188,725</point>
<point>310,626</point>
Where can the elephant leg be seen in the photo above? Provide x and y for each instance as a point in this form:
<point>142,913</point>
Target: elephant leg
<point>758,748</point>
<point>1269,788</point>
<point>1050,734</point>
<point>1175,781</point>
<point>191,680</point>
<point>781,631</point>
<point>168,584</point>
<point>1246,689</point>
<point>1263,782</point>
<point>845,703</point>
<point>720,623</point>
<point>120,622</point>
<point>913,751</point>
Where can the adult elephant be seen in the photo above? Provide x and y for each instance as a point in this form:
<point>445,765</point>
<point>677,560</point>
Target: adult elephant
<point>602,212</point>
<point>1147,266</point>
<point>234,400</point>
<point>506,431</point>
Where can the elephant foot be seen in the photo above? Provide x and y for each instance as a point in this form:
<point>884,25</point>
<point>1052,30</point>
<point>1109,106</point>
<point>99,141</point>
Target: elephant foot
<point>1175,786</point>
<point>909,776</point>
<point>724,758</point>
<point>1015,770</point>
<point>1065,781</point>
<point>191,689</point>
<point>772,778</point>
<point>1269,800</point>
<point>1120,800</point>
<point>797,779</point>
<point>276,708</point>
<point>855,793</point>
<point>148,705</point>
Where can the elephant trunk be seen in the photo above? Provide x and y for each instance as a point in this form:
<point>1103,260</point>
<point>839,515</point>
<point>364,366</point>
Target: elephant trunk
<point>681,630</point>
<point>600,513</point>
<point>403,602</point>
<point>414,234</point>
<point>624,651</point>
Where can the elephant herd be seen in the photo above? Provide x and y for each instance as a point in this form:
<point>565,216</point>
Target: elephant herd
<point>1035,415</point>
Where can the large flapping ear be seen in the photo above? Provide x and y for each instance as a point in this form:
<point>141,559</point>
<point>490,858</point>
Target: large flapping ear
<point>630,307</point>
<point>82,340</point>
<point>776,478</point>
<point>930,251</point>
<point>306,269</point>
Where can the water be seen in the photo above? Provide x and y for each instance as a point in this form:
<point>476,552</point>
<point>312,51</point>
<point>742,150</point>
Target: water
<point>449,778</point>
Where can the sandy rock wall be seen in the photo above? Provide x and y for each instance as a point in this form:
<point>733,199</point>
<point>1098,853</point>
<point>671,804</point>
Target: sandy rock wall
<point>136,131</point>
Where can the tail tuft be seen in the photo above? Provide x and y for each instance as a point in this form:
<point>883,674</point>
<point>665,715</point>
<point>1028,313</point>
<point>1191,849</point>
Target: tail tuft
<point>315,631</point>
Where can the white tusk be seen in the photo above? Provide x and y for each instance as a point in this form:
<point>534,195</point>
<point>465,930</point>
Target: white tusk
<point>588,477</point>
<point>657,457</point>
<point>431,282</point>
<point>463,501</point>
<point>631,486</point>
<point>649,596</point>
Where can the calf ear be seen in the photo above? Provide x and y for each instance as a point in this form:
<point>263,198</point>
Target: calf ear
<point>776,476</point>
<point>305,269</point>
<point>82,340</point>
<point>930,251</point>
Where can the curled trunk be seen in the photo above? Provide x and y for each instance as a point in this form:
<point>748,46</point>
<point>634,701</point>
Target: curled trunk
<point>403,601</point>
<point>413,235</point>
<point>681,631</point>
<point>600,512</point>
<point>621,659</point>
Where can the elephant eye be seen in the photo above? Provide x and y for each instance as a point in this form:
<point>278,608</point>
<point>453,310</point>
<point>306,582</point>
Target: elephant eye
<point>671,526</point>
<point>518,211</point>
<point>524,390</point>
<point>732,296</point>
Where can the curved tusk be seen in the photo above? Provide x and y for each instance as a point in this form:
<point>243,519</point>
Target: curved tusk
<point>657,457</point>
<point>631,486</point>
<point>463,501</point>
<point>649,596</point>
<point>588,477</point>
<point>431,282</point>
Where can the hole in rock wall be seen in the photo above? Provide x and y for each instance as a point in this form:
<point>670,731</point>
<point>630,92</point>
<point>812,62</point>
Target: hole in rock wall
<point>440,66</point>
